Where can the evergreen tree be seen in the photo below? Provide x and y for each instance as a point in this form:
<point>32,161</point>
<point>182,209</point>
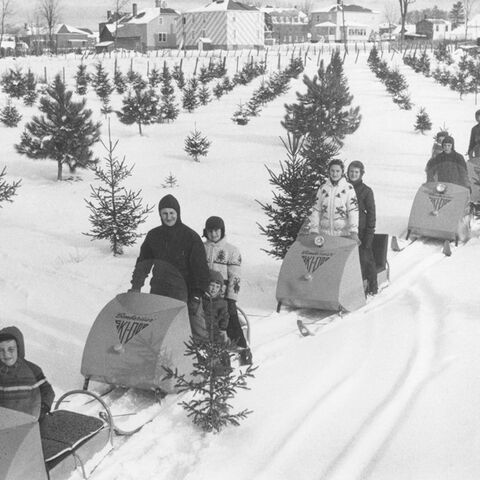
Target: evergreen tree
<point>240,116</point>
<point>292,199</point>
<point>218,90</point>
<point>14,83</point>
<point>457,14</point>
<point>179,76</point>
<point>170,181</point>
<point>7,190</point>
<point>81,79</point>
<point>213,384</point>
<point>154,78</point>
<point>136,80</point>
<point>102,86</point>
<point>115,212</point>
<point>395,82</point>
<point>140,107</point>
<point>253,107</point>
<point>196,145</point>
<point>190,95</point>
<point>204,75</point>
<point>203,95</point>
<point>64,133</point>
<point>9,115</point>
<point>459,82</point>
<point>166,76</point>
<point>227,84</point>
<point>423,123</point>
<point>120,81</point>
<point>31,93</point>
<point>168,109</point>
<point>403,100</point>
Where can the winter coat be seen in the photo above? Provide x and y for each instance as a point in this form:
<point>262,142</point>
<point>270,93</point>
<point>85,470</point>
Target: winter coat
<point>216,311</point>
<point>335,211</point>
<point>474,144</point>
<point>23,386</point>
<point>448,167</point>
<point>366,213</point>
<point>225,258</point>
<point>179,246</point>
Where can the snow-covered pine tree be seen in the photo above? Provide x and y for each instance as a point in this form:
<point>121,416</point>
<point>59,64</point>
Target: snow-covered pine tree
<point>240,116</point>
<point>170,181</point>
<point>295,67</point>
<point>204,75</point>
<point>292,199</point>
<point>120,81</point>
<point>190,95</point>
<point>423,122</point>
<point>168,109</point>
<point>218,90</point>
<point>14,83</point>
<point>154,77</point>
<point>31,93</point>
<point>213,384</point>
<point>64,133</point>
<point>253,107</point>
<point>227,84</point>
<point>103,87</point>
<point>395,82</point>
<point>459,82</point>
<point>196,145</point>
<point>115,212</point>
<point>179,76</point>
<point>403,100</point>
<point>140,107</point>
<point>81,79</point>
<point>165,75</point>
<point>7,190</point>
<point>204,94</point>
<point>9,115</point>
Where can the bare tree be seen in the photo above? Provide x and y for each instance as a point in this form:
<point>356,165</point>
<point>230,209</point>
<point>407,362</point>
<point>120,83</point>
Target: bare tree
<point>468,5</point>
<point>118,6</point>
<point>390,14</point>
<point>403,15</point>
<point>5,11</point>
<point>49,12</point>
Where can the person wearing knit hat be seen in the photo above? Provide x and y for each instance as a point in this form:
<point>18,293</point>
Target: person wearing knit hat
<point>215,308</point>
<point>225,258</point>
<point>448,166</point>
<point>437,143</point>
<point>23,386</point>
<point>474,143</point>
<point>366,224</point>
<point>176,245</point>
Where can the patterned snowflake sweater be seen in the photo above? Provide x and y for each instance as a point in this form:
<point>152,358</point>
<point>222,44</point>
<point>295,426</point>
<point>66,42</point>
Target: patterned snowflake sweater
<point>335,211</point>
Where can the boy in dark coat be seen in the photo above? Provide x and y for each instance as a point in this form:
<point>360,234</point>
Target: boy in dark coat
<point>474,144</point>
<point>448,166</point>
<point>23,386</point>
<point>216,308</point>
<point>366,224</point>
<point>177,245</point>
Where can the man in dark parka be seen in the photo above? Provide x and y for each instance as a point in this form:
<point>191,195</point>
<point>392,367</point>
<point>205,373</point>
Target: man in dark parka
<point>366,224</point>
<point>175,244</point>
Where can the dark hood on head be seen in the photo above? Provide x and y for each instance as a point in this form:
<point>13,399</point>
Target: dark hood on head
<point>169,201</point>
<point>17,334</point>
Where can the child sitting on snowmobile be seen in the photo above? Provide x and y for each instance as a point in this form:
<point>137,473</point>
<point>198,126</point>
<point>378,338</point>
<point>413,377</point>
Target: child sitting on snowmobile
<point>216,308</point>
<point>23,386</point>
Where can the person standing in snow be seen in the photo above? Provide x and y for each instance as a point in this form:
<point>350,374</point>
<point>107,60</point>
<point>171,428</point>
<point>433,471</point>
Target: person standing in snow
<point>335,211</point>
<point>474,144</point>
<point>178,245</point>
<point>225,258</point>
<point>366,224</point>
<point>448,166</point>
<point>23,386</point>
<point>216,308</point>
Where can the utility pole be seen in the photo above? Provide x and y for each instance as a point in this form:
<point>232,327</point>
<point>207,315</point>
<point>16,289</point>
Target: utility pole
<point>340,5</point>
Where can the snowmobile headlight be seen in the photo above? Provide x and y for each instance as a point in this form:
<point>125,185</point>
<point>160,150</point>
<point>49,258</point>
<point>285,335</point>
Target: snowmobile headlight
<point>435,213</point>
<point>308,277</point>
<point>319,241</point>
<point>441,188</point>
<point>118,348</point>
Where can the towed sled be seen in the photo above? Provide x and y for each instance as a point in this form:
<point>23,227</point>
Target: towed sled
<point>133,337</point>
<point>473,168</point>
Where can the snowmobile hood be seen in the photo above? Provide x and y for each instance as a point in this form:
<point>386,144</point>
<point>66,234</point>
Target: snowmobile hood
<point>17,334</point>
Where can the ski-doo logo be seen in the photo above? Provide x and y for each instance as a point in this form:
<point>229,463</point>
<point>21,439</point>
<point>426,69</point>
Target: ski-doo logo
<point>313,260</point>
<point>439,201</point>
<point>130,325</point>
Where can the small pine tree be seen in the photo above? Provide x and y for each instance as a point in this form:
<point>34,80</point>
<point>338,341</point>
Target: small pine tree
<point>64,133</point>
<point>205,75</point>
<point>140,107</point>
<point>31,93</point>
<point>190,96</point>
<point>81,79</point>
<point>196,145</point>
<point>103,88</point>
<point>253,107</point>
<point>203,95</point>
<point>14,83</point>
<point>423,123</point>
<point>240,116</point>
<point>7,190</point>
<point>9,115</point>
<point>218,90</point>
<point>403,100</point>
<point>170,181</point>
<point>459,83</point>
<point>179,76</point>
<point>212,384</point>
<point>154,77</point>
<point>120,81</point>
<point>168,109</point>
<point>115,212</point>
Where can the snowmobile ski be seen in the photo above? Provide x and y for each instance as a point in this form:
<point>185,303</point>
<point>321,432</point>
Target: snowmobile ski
<point>447,250</point>
<point>399,245</point>
<point>303,329</point>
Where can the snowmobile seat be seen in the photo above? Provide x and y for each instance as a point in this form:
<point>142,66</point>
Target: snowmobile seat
<point>380,250</point>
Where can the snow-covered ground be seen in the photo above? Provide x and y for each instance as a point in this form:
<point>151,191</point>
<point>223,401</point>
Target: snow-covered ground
<point>388,392</point>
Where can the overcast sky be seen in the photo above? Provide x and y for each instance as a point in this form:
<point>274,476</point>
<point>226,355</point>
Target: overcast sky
<point>88,13</point>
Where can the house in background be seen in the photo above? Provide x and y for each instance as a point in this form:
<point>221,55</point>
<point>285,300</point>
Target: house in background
<point>69,38</point>
<point>107,30</point>
<point>222,24</point>
<point>348,22</point>
<point>434,28</point>
<point>286,25</point>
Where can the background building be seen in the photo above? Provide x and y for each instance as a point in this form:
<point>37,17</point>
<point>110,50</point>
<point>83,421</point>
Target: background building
<point>286,25</point>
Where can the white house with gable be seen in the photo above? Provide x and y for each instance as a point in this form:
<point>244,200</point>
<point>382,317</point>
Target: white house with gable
<point>226,24</point>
